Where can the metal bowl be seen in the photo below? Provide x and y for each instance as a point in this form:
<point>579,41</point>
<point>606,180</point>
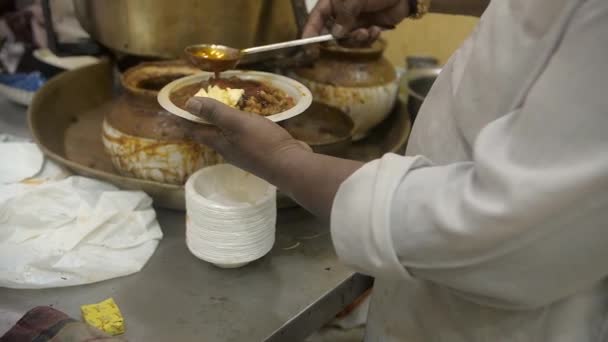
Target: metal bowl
<point>160,28</point>
<point>420,82</point>
<point>327,130</point>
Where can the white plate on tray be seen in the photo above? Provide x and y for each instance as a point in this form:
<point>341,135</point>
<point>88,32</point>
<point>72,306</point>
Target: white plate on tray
<point>19,96</point>
<point>294,89</point>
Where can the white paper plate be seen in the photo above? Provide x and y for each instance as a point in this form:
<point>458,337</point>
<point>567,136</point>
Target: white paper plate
<point>26,161</point>
<point>297,91</point>
<point>231,216</point>
<point>65,63</point>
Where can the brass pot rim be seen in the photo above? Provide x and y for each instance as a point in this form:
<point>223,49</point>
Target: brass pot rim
<point>376,49</point>
<point>132,78</point>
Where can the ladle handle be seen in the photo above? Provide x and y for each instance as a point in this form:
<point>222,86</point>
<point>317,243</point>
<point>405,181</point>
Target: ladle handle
<point>288,44</point>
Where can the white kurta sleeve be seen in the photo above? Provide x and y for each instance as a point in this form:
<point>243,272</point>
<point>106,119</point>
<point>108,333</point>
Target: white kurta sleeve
<point>525,223</point>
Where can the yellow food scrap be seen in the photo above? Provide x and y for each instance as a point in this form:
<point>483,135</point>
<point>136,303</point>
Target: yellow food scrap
<point>104,316</point>
<point>230,97</point>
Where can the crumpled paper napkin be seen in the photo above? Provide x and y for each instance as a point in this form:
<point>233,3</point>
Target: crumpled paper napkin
<point>60,230</point>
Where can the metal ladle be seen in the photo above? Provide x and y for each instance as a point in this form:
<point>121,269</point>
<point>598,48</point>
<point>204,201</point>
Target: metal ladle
<point>218,58</point>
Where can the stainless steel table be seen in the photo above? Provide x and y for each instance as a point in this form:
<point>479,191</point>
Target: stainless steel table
<point>284,296</point>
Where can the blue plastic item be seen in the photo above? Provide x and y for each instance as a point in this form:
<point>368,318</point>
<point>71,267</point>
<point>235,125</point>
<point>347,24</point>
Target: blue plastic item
<point>28,82</point>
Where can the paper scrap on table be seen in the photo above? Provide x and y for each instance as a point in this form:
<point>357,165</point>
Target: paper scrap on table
<point>21,161</point>
<point>27,168</point>
<point>104,316</point>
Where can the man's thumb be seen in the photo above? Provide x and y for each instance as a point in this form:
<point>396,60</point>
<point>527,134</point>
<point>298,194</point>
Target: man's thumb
<point>347,13</point>
<point>212,111</point>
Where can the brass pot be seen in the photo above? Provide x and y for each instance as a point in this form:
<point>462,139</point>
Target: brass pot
<point>161,28</point>
<point>359,81</point>
<point>145,141</point>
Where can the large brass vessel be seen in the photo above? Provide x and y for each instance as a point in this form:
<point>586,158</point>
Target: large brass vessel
<point>161,28</point>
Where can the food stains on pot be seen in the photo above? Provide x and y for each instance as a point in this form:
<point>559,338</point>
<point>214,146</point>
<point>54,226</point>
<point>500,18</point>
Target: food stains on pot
<point>357,80</point>
<point>145,141</point>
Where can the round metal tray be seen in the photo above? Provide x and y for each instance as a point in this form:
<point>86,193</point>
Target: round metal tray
<point>66,115</point>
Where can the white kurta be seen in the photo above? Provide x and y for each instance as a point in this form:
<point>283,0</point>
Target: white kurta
<point>495,226</point>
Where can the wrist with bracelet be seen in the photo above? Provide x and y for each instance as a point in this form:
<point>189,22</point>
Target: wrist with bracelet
<point>418,8</point>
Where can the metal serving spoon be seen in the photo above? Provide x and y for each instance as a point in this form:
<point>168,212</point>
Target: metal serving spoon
<point>218,58</point>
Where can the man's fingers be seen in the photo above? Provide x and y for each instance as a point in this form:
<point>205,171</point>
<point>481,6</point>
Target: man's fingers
<point>386,18</point>
<point>305,146</point>
<point>347,12</point>
<point>317,18</point>
<point>344,16</point>
<point>206,135</point>
<point>363,36</point>
<point>374,33</point>
<point>215,113</point>
<point>360,35</point>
